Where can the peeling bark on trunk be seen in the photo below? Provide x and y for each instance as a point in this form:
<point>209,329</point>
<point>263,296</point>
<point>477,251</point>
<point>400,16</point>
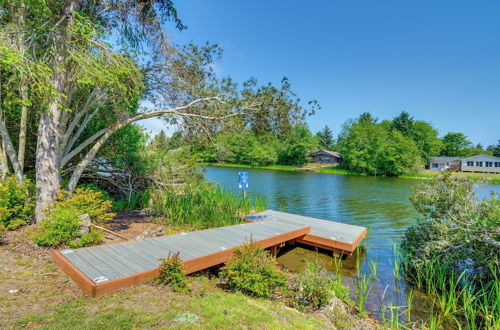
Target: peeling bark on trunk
<point>48,179</point>
<point>23,89</point>
<point>48,149</point>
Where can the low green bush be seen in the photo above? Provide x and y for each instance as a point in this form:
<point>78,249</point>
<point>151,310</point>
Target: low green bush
<point>61,227</point>
<point>172,274</point>
<point>16,203</point>
<point>86,201</point>
<point>61,223</point>
<point>252,271</point>
<point>313,288</point>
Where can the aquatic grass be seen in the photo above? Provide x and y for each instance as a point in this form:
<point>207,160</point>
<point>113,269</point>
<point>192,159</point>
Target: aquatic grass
<point>337,268</point>
<point>395,316</point>
<point>363,289</point>
<point>259,203</point>
<point>396,263</point>
<point>358,261</point>
<point>457,299</point>
<point>373,265</point>
<point>409,305</point>
<point>203,206</point>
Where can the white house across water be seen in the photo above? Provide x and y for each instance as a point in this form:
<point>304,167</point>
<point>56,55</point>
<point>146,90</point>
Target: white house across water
<point>478,163</point>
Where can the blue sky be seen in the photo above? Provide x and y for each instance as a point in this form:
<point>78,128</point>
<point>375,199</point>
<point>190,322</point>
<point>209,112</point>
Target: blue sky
<point>438,60</point>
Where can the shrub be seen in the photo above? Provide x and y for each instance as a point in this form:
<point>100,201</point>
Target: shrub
<point>85,201</point>
<point>61,227</point>
<point>458,229</point>
<point>16,203</point>
<point>171,274</point>
<point>453,251</point>
<point>62,223</point>
<point>313,288</point>
<point>252,271</point>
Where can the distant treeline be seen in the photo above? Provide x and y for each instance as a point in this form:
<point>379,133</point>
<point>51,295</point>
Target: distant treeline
<point>274,131</point>
<point>387,147</point>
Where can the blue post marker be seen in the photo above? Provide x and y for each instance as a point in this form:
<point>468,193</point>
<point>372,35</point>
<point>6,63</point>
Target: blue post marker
<point>243,178</point>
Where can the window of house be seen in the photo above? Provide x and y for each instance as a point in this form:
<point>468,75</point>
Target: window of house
<point>470,163</point>
<point>479,164</point>
<point>497,164</point>
<point>435,165</point>
<point>489,164</point>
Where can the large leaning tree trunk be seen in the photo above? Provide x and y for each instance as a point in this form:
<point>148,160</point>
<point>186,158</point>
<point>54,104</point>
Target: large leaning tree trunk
<point>48,177</point>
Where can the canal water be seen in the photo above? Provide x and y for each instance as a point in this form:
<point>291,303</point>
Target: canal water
<point>378,203</point>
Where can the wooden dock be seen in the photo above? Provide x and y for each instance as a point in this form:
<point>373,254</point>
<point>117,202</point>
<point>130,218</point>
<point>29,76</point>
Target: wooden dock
<point>104,269</point>
<point>107,268</point>
<point>338,237</point>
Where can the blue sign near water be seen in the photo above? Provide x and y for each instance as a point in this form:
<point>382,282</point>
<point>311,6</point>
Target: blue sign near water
<point>243,180</point>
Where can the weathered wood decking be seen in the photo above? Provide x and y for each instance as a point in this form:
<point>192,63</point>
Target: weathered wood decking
<point>325,234</point>
<point>104,269</point>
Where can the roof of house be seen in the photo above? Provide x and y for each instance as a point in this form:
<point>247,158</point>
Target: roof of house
<point>483,155</point>
<point>450,159</point>
<point>326,152</point>
<point>442,159</point>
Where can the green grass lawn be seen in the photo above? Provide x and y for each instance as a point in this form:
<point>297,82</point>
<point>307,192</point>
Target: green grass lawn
<point>426,174</point>
<point>263,167</point>
<point>46,298</point>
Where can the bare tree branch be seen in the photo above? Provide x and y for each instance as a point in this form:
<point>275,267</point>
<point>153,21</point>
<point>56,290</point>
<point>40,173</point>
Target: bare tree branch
<point>180,111</point>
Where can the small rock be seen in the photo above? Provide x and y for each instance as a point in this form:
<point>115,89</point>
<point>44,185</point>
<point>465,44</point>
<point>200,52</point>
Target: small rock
<point>13,291</point>
<point>85,226</point>
<point>151,232</point>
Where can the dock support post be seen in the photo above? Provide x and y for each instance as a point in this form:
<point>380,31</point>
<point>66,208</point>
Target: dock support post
<point>274,251</point>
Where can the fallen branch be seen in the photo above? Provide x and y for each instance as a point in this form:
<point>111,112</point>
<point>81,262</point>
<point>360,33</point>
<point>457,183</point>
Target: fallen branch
<point>110,232</point>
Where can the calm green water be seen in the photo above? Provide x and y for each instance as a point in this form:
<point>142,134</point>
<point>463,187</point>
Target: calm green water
<point>380,204</point>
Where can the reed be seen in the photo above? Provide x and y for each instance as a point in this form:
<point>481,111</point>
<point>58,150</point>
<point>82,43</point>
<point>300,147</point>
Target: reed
<point>373,265</point>
<point>409,305</point>
<point>363,289</point>
<point>359,260</point>
<point>395,316</point>
<point>203,206</point>
<point>458,302</point>
<point>396,262</point>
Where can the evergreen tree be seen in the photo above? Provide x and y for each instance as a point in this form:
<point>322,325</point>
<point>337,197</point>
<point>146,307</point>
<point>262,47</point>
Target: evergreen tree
<point>496,150</point>
<point>326,139</point>
<point>404,123</point>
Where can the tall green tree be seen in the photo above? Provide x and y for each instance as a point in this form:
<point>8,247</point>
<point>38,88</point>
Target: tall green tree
<point>326,139</point>
<point>84,89</point>
<point>455,145</point>
<point>427,139</point>
<point>404,123</point>
<point>376,148</point>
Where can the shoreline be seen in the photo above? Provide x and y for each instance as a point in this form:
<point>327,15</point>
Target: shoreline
<point>492,178</point>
